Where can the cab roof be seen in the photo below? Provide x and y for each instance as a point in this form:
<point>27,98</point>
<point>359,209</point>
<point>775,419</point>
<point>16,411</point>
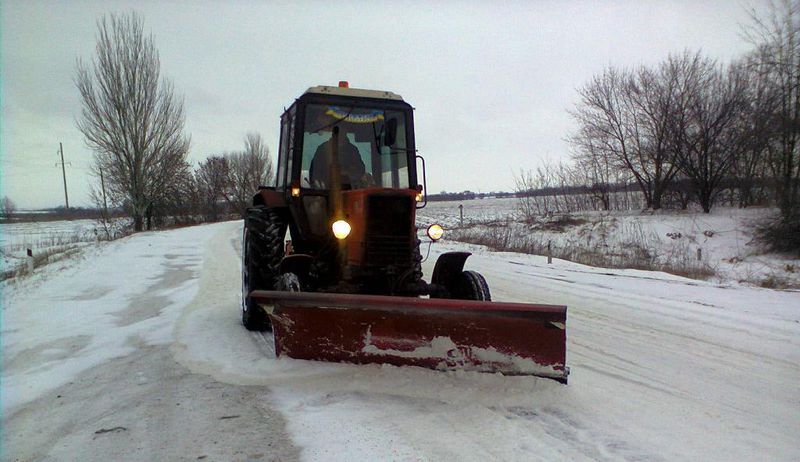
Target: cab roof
<point>353,92</point>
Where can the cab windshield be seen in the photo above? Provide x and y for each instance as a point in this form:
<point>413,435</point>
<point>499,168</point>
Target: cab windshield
<point>372,147</point>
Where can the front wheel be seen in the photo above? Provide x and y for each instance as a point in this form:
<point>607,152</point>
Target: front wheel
<point>471,285</point>
<point>288,282</point>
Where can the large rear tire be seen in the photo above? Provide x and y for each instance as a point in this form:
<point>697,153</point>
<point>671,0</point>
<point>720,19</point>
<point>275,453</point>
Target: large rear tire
<point>262,251</point>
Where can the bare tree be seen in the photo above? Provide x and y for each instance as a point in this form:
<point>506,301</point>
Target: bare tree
<point>756,126</point>
<point>213,180</point>
<point>604,129</point>
<point>8,207</point>
<point>189,207</point>
<point>621,117</point>
<point>627,119</point>
<point>532,189</point>
<point>597,169</point>
<point>776,37</point>
<point>655,94</point>
<point>248,170</point>
<point>706,134</point>
<point>177,200</point>
<point>131,119</point>
<point>100,202</point>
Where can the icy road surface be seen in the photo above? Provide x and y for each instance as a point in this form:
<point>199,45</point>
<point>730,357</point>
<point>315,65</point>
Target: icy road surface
<point>136,352</point>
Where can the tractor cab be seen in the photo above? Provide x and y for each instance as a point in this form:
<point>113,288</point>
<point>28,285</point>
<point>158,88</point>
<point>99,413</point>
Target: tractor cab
<point>347,156</point>
<point>375,141</point>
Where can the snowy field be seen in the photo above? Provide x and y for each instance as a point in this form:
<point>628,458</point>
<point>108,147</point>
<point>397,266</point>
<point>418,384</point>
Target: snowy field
<point>42,237</point>
<point>135,351</point>
<point>723,237</point>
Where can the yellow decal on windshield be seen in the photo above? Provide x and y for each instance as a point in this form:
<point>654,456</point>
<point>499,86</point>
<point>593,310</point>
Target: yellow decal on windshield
<point>347,116</point>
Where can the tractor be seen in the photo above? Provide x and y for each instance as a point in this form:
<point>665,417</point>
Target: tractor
<point>348,285</point>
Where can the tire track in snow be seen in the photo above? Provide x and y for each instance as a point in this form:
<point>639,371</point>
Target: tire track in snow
<point>599,300</point>
<point>594,445</point>
<point>721,360</point>
<point>669,307</point>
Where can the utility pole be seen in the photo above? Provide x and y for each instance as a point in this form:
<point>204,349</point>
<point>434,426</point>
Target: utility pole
<point>64,173</point>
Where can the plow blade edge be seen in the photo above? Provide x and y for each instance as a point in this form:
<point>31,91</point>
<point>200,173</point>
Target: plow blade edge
<point>443,334</point>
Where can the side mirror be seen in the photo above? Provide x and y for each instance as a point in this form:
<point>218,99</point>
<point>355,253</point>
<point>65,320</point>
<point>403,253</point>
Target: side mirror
<point>391,132</point>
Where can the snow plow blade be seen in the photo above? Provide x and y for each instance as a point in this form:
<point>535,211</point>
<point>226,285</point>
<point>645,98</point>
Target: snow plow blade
<point>442,334</point>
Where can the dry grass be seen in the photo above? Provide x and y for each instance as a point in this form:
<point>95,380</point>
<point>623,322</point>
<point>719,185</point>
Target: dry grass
<point>589,247</point>
<point>54,240</point>
<point>776,281</point>
<point>41,258</point>
<point>56,247</point>
<point>558,223</point>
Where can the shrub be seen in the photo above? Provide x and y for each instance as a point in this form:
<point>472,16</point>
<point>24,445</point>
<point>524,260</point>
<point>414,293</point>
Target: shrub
<point>781,234</point>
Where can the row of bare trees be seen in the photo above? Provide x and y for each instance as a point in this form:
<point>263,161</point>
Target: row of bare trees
<point>219,187</point>
<point>689,118</point>
<point>686,129</point>
<point>226,183</point>
<point>133,121</point>
<point>565,187</point>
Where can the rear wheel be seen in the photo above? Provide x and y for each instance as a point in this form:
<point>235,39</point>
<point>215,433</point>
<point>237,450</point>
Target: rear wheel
<point>262,251</point>
<point>471,285</point>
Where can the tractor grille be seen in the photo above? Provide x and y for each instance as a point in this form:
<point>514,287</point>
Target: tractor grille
<point>388,240</point>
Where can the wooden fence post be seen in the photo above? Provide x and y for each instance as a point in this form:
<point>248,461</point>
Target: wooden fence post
<point>30,261</point>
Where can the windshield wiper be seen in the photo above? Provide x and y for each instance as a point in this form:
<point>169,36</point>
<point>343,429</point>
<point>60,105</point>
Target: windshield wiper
<point>394,150</point>
<point>335,122</point>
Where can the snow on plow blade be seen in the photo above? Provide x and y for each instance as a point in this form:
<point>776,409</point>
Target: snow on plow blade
<point>443,334</point>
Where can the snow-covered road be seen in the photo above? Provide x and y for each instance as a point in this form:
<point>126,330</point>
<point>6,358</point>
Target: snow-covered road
<point>136,352</point>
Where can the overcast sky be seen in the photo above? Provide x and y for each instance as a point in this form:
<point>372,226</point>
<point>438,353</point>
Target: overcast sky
<point>491,81</point>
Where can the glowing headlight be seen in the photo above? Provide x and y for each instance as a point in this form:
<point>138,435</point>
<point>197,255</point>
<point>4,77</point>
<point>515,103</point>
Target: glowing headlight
<point>435,232</point>
<point>341,229</point>
<point>419,197</point>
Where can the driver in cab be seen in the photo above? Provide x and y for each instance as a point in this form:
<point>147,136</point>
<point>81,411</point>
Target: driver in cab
<point>351,166</point>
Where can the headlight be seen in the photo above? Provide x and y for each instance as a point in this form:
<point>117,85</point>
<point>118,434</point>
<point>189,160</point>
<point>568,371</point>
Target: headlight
<point>435,232</point>
<point>341,229</point>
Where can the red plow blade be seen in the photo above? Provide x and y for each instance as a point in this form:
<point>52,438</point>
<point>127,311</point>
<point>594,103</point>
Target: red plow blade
<point>442,334</point>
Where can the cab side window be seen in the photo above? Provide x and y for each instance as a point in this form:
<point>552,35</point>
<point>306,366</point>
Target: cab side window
<point>280,177</point>
<point>290,146</point>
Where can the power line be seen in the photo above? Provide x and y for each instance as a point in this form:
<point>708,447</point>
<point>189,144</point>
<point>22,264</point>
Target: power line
<point>38,163</point>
